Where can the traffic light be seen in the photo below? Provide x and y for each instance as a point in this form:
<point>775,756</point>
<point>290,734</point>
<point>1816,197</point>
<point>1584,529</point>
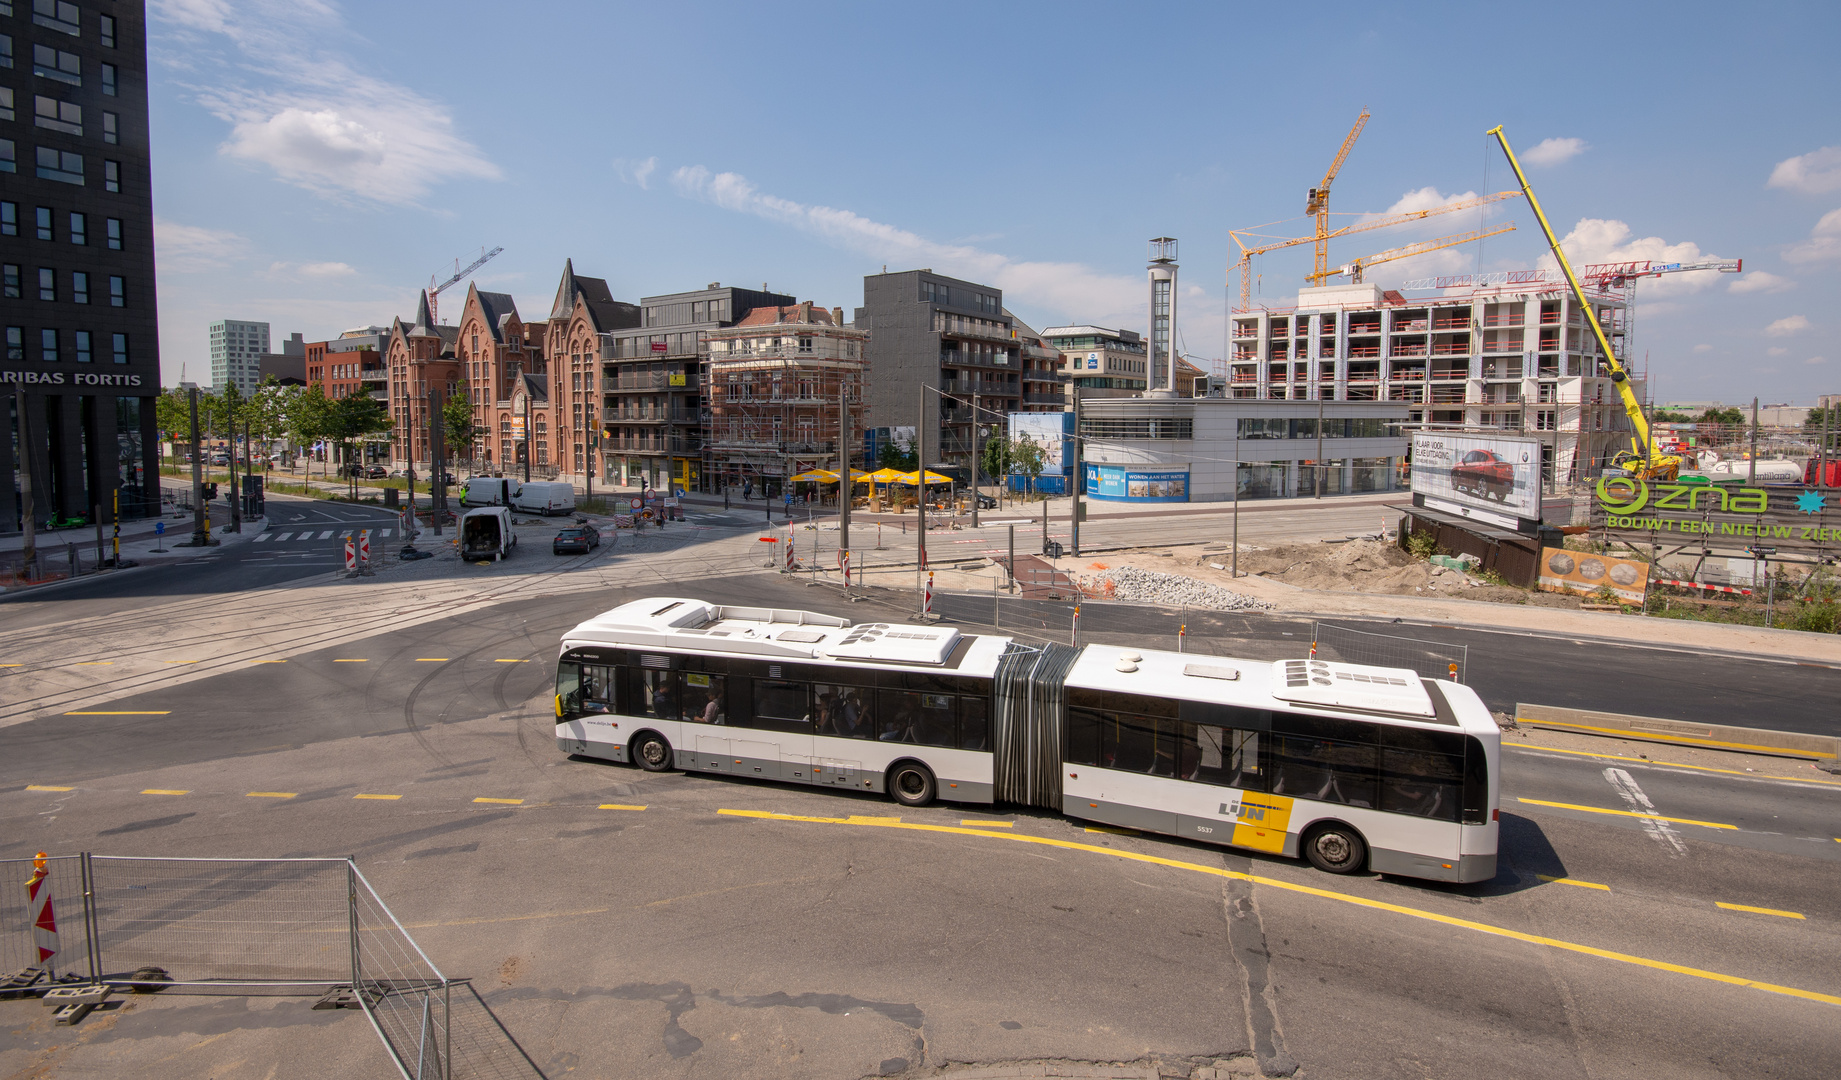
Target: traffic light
<point>210,491</point>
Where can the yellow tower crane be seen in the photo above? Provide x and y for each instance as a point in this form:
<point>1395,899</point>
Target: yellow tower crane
<point>1641,459</point>
<point>1245,264</point>
<point>1407,251</point>
<point>1319,201</point>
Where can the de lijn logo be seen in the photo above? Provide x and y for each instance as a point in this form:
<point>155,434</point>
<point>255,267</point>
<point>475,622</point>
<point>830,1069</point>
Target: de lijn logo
<point>1623,495</point>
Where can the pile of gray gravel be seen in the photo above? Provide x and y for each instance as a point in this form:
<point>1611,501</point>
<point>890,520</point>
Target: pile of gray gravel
<point>1174,590</point>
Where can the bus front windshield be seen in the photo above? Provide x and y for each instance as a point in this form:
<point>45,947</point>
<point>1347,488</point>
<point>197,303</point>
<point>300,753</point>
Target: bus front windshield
<point>582,689</point>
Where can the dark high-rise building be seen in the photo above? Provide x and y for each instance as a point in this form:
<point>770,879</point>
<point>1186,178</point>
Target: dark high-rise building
<point>76,245</point>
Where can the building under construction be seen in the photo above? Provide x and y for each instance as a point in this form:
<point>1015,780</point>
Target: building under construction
<point>778,382</point>
<point>1505,352</point>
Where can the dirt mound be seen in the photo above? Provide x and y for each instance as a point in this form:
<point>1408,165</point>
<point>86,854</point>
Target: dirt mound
<point>1376,566</point>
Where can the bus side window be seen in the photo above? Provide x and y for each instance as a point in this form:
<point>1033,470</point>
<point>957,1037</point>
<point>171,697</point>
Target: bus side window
<point>597,688</point>
<point>1138,744</point>
<point>1082,737</point>
<point>650,692</point>
<point>842,712</point>
<point>936,725</point>
<point>782,706</point>
<point>898,715</point>
<point>704,700</point>
<point>1422,783</point>
<point>974,727</point>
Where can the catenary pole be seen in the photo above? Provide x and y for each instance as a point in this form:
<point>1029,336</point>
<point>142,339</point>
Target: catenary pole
<point>28,512</point>
<point>201,534</point>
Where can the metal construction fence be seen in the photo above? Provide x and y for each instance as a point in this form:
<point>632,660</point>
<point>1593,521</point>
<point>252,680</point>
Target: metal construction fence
<point>1431,659</point>
<point>238,926</point>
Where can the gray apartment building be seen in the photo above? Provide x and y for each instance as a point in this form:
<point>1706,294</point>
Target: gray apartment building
<point>655,385</point>
<point>929,330</point>
<point>76,242</point>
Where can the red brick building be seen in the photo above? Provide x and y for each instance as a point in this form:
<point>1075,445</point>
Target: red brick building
<point>417,357</point>
<point>584,310</point>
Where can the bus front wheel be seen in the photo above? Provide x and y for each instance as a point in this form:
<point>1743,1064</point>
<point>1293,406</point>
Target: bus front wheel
<point>911,784</point>
<point>1335,849</point>
<point>652,753</point>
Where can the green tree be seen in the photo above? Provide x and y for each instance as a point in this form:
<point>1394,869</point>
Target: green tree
<point>349,420</point>
<point>268,411</point>
<point>309,419</point>
<point>998,457</point>
<point>1028,457</point>
<point>457,425</point>
<point>894,455</point>
<point>1734,416</point>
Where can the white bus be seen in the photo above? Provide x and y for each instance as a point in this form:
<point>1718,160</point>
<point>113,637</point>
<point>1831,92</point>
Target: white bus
<point>1353,768</point>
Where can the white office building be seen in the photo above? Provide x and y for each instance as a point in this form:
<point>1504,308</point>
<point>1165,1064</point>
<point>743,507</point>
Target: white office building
<point>237,349</point>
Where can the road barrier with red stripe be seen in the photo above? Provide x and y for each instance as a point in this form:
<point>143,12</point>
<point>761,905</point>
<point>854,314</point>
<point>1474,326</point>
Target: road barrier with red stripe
<point>1700,585</point>
<point>44,919</point>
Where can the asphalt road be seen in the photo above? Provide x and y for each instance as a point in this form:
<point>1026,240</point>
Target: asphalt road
<point>620,923</point>
<point>314,544</point>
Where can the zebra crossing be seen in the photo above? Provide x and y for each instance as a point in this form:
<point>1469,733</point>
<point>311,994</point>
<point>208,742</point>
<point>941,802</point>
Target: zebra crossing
<point>319,534</point>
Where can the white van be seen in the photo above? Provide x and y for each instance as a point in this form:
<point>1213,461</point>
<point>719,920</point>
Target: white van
<point>544,497</point>
<point>485,533</point>
<point>489,491</point>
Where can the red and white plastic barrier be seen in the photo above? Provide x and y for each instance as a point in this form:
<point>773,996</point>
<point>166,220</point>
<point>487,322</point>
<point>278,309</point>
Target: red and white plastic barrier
<point>1701,585</point>
<point>843,561</point>
<point>364,548</point>
<point>351,553</point>
<point>44,919</point>
<point>927,596</point>
<point>791,562</point>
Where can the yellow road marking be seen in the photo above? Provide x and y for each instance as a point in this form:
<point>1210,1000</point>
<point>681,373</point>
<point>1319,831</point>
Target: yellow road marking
<point>1627,813</point>
<point>507,802</point>
<point>974,822</point>
<point>121,712</point>
<point>431,659</point>
<point>1574,881</point>
<point>1531,749</point>
<point>619,806</point>
<point>1758,910</point>
<point>12,665</point>
<point>1651,736</point>
<point>46,787</point>
<point>1326,894</point>
<point>504,918</point>
<point>1112,830</point>
<point>271,795</point>
<point>165,791</point>
<point>511,661</point>
<point>864,819</point>
<point>376,796</point>
<point>360,661</point>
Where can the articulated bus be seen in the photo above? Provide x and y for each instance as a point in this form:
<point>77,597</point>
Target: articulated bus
<point>1351,767</point>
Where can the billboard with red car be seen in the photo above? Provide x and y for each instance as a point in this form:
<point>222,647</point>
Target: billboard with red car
<point>1490,477</point>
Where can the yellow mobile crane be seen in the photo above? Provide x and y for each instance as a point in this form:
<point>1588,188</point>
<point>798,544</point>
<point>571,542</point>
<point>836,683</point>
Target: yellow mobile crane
<point>1641,460</point>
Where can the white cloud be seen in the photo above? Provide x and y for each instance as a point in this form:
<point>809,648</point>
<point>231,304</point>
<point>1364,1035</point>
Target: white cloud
<point>1599,240</point>
<point>1554,151</point>
<point>1815,173</point>
<point>307,114</point>
<point>1760,281</point>
<point>194,248</point>
<point>1070,290</point>
<point>1824,241</point>
<point>1784,327</point>
<point>320,271</point>
<point>1776,350</point>
<point>638,173</point>
<point>1703,348</point>
<point>1425,198</point>
<point>1816,360</point>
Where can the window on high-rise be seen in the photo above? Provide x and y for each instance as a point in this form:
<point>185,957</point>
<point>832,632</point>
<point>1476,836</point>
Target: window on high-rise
<point>48,346</point>
<point>6,103</point>
<point>79,287</point>
<point>121,348</point>
<point>114,233</point>
<point>111,176</point>
<point>79,228</point>
<point>9,219</point>
<point>55,115</point>
<point>50,63</point>
<point>47,283</point>
<point>59,15</point>
<point>83,346</point>
<point>9,156</point>
<point>118,292</point>
<point>60,165</point>
<point>108,31</point>
<point>9,274</point>
<point>15,343</point>
<point>111,128</point>
<point>108,80</point>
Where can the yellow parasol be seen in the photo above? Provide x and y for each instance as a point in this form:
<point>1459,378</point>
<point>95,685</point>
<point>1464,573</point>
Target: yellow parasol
<point>821,476</point>
<point>886,476</point>
<point>910,479</point>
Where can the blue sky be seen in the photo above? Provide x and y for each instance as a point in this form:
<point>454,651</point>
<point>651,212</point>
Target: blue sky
<point>316,161</point>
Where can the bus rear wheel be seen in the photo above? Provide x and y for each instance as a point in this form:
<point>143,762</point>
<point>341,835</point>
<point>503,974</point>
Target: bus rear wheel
<point>911,784</point>
<point>1335,849</point>
<point>652,753</point>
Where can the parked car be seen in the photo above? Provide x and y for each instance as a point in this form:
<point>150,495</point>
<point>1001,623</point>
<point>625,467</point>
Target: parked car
<point>576,540</point>
<point>220,459</point>
<point>986,502</point>
<point>1484,475</point>
<point>376,472</point>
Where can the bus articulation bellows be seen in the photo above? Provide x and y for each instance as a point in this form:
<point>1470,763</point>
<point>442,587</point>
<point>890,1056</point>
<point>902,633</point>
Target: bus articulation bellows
<point>1350,767</point>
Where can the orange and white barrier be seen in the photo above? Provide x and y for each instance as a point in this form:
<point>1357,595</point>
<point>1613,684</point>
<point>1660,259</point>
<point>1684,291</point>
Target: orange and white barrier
<point>44,919</point>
